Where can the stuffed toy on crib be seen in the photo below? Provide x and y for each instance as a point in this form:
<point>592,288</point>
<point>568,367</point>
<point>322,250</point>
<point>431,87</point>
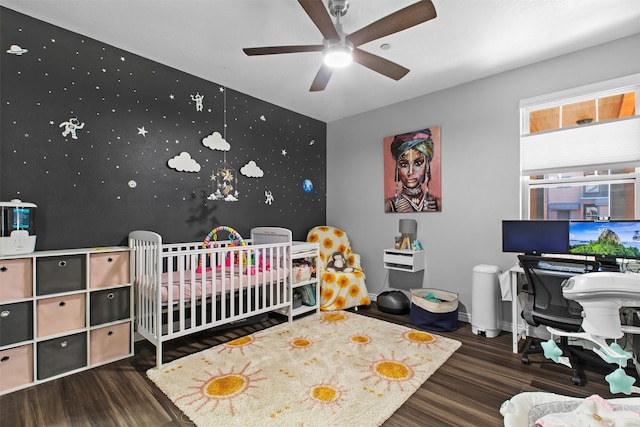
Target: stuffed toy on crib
<point>250,262</point>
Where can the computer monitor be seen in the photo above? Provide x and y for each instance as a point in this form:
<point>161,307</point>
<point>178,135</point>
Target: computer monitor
<point>607,241</point>
<point>535,237</point>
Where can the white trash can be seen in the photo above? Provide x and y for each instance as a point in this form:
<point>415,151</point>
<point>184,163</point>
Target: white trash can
<point>486,301</point>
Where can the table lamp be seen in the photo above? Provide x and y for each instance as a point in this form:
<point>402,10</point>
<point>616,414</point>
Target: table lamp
<point>408,229</point>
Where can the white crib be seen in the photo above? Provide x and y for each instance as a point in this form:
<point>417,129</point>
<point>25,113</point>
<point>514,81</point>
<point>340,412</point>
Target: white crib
<point>185,288</point>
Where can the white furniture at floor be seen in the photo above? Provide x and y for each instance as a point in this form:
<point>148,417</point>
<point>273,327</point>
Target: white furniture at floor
<point>186,288</point>
<point>310,253</point>
<point>486,301</point>
<point>62,312</point>
<point>519,326</point>
<point>520,329</point>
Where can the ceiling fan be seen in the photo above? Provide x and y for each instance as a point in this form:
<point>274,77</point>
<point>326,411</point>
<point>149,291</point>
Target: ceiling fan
<point>339,49</point>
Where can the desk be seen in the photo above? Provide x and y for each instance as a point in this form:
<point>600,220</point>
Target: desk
<point>516,320</point>
<point>519,328</point>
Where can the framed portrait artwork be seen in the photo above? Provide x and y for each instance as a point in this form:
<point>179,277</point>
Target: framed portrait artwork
<point>412,163</point>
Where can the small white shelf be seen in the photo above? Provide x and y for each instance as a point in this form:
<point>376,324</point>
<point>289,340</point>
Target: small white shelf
<point>304,309</point>
<point>310,252</point>
<point>311,281</point>
<point>304,250</point>
<point>404,260</point>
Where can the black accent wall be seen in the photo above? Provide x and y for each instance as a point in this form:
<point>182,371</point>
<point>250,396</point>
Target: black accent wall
<point>131,117</point>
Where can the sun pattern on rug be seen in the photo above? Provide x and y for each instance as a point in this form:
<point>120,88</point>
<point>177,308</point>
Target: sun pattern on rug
<point>334,317</point>
<point>303,343</point>
<point>392,372</point>
<point>224,386</point>
<point>240,344</point>
<point>328,368</point>
<point>360,339</point>
<point>329,394</point>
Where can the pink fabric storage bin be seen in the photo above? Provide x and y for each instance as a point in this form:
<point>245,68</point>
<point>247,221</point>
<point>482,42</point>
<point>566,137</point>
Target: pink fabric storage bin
<point>15,279</point>
<point>61,314</point>
<point>108,269</point>
<point>16,367</point>
<point>109,343</point>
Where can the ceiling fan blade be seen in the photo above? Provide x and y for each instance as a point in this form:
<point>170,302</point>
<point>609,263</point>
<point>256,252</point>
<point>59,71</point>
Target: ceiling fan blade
<point>379,64</point>
<point>414,14</point>
<point>321,79</point>
<point>320,16</point>
<point>274,50</point>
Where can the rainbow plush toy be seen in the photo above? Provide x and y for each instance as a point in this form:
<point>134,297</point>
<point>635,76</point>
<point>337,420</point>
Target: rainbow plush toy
<point>235,238</point>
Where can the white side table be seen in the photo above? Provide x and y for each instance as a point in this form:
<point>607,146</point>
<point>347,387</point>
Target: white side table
<point>404,260</point>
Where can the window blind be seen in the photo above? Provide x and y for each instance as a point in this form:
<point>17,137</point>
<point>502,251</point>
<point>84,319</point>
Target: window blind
<point>603,145</point>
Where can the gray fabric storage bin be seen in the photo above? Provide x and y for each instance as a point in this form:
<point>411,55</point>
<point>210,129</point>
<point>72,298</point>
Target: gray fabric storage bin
<point>109,305</point>
<point>16,322</point>
<point>60,355</point>
<point>60,274</point>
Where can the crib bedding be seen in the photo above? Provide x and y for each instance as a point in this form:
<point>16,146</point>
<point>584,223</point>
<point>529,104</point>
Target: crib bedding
<point>226,281</point>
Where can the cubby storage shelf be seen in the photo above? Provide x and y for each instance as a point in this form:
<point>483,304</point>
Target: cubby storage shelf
<point>62,312</point>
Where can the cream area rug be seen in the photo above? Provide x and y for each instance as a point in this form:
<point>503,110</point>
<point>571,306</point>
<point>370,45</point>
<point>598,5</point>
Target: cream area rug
<point>327,369</point>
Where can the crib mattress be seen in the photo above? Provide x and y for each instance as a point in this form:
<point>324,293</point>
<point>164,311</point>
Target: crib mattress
<point>223,283</point>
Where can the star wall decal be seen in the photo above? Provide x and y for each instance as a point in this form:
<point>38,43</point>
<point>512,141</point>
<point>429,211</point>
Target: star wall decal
<point>142,131</point>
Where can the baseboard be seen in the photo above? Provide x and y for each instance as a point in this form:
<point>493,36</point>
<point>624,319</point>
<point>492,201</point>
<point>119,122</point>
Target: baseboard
<point>466,317</point>
<point>504,326</point>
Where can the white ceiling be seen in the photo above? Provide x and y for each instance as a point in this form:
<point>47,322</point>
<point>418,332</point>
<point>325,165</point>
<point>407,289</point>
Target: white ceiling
<point>469,39</point>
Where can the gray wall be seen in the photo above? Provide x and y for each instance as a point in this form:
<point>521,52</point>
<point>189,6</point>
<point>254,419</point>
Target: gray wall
<point>480,168</point>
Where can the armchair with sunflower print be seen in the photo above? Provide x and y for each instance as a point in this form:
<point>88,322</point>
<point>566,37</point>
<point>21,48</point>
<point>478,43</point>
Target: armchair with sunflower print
<point>342,282</point>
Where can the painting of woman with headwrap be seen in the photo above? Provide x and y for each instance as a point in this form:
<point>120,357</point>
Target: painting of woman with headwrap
<point>412,172</point>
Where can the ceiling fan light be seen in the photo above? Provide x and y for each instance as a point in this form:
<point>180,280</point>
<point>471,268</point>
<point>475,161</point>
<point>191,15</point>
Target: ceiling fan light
<point>338,56</point>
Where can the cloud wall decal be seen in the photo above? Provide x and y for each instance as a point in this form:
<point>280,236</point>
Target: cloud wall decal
<point>252,170</point>
<point>215,141</point>
<point>184,163</point>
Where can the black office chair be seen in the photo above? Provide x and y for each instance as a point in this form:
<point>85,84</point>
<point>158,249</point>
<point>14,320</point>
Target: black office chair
<point>545,305</point>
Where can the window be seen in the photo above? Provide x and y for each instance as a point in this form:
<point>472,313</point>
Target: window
<point>580,195</point>
<point>581,113</point>
<point>580,152</point>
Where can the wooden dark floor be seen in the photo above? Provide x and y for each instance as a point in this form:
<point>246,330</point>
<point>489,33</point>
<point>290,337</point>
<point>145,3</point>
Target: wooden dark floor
<point>466,391</point>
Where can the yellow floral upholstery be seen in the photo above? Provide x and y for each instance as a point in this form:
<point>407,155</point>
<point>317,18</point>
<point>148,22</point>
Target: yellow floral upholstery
<point>338,289</point>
